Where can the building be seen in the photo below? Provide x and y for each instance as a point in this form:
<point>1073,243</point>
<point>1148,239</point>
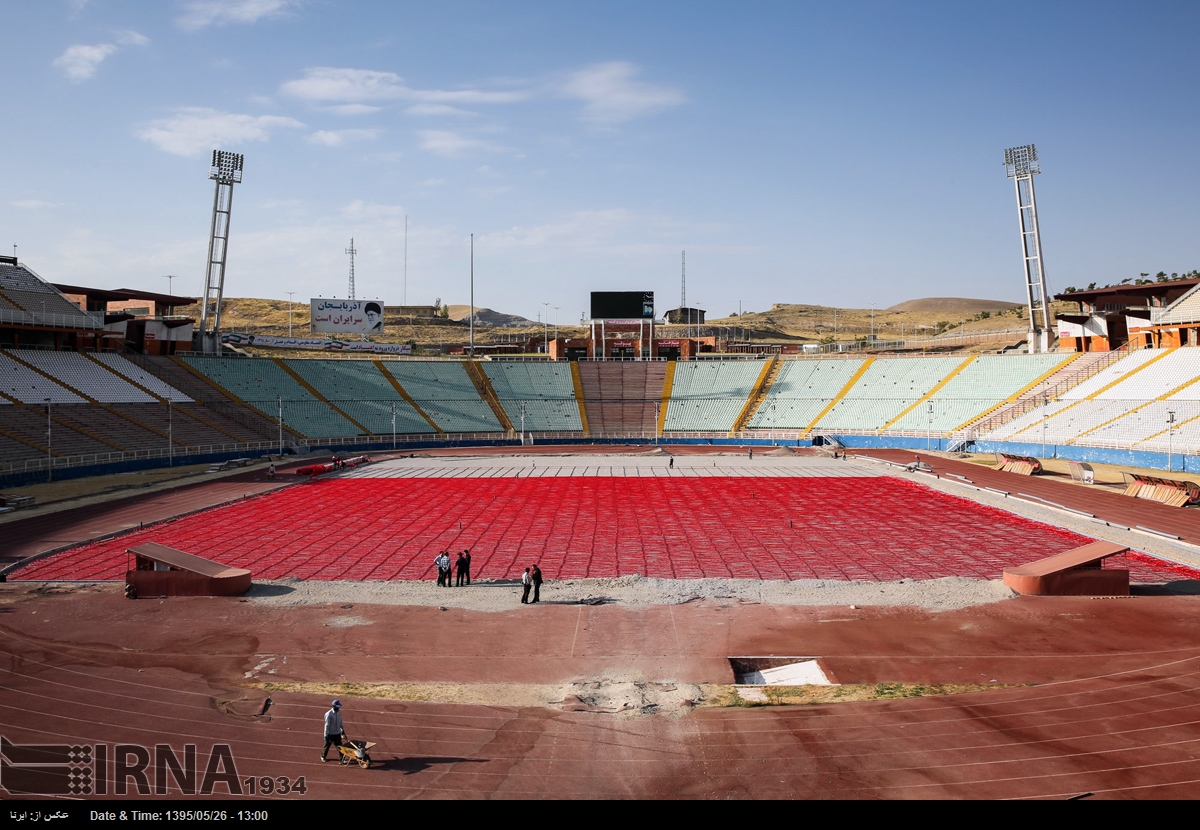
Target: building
<point>1108,317</point>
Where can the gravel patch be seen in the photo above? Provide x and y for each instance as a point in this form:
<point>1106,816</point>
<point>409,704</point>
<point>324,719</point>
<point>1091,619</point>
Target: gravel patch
<point>944,594</point>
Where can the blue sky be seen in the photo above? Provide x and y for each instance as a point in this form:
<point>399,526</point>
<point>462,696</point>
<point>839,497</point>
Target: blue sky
<point>839,154</point>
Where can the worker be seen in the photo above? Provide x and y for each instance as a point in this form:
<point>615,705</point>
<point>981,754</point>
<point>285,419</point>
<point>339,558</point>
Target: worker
<point>335,730</point>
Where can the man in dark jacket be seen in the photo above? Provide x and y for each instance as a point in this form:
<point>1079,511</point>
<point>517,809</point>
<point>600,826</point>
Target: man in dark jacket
<point>536,578</point>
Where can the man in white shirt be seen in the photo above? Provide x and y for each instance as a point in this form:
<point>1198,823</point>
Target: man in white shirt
<point>335,731</point>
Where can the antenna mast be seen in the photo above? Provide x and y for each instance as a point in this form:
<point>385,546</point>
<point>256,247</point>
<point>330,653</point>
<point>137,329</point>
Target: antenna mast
<point>351,250</point>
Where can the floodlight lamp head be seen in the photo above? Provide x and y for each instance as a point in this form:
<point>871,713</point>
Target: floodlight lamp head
<point>226,168</point>
<point>1021,161</point>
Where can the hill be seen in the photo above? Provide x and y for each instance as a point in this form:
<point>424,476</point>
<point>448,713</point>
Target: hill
<point>953,305</point>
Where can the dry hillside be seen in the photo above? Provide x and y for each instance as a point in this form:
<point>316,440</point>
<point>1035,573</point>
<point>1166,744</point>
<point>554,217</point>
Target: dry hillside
<point>783,322</point>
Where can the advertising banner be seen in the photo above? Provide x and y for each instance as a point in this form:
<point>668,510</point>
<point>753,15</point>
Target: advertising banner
<point>340,316</point>
<point>315,343</point>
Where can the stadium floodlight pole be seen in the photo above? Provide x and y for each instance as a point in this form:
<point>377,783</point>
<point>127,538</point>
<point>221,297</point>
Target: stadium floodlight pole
<point>226,171</point>
<point>1021,165</point>
<point>49,452</point>
<point>289,293</point>
<point>471,319</point>
<point>1171,440</point>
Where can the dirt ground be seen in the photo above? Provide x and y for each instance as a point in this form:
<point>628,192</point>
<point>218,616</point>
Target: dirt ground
<point>1047,698</point>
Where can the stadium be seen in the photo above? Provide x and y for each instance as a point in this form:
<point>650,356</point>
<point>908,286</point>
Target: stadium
<point>752,561</point>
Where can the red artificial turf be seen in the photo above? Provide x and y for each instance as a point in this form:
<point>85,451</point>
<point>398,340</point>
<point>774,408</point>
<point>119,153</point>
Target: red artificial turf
<point>574,527</point>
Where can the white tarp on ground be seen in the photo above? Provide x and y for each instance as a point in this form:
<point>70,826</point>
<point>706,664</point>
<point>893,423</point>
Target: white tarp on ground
<point>806,673</point>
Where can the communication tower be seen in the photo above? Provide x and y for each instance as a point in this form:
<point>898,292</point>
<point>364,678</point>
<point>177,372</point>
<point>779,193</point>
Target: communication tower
<point>351,251</point>
<point>1021,164</point>
<point>226,171</point>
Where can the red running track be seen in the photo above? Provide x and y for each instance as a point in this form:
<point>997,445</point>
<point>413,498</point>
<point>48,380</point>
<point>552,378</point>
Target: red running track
<point>388,529</point>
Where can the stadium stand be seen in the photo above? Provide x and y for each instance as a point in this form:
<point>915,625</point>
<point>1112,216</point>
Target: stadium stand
<point>620,396</point>
<point>983,383</point>
<point>360,389</point>
<point>142,378</point>
<point>19,381</point>
<point>708,396</point>
<point>545,390</point>
<point>29,298</point>
<point>83,376</point>
<point>802,391</point>
<point>445,393</point>
<point>264,385</point>
<point>1076,404</point>
<point>886,389</point>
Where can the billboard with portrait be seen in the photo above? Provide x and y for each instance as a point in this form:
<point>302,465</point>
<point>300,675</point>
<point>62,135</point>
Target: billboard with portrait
<point>356,316</point>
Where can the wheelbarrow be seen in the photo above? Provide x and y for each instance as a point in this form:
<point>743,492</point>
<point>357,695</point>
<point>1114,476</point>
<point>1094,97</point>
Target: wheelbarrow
<point>356,752</point>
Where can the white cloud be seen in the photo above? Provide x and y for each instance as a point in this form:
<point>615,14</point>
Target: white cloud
<point>336,138</point>
<point>201,13</point>
<point>354,109</point>
<point>195,131</point>
<point>611,94</point>
<point>34,204</point>
<point>128,37</point>
<point>327,84</point>
<point>438,110</point>
<point>450,144</point>
<point>80,62</point>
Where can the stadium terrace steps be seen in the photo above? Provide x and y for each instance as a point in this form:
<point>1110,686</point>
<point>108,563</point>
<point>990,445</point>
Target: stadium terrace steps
<point>361,389</point>
<point>1088,416</point>
<point>761,389</point>
<point>708,396</point>
<point>1075,370</point>
<point>446,393</point>
<point>620,396</point>
<point>483,387</point>
<point>308,387</point>
<point>544,391</point>
<point>577,383</point>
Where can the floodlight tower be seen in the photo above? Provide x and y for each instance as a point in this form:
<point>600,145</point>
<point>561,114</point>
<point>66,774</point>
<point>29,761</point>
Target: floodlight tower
<point>226,171</point>
<point>1020,164</point>
<point>351,251</point>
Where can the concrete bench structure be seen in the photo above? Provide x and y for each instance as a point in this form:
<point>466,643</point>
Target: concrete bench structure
<point>160,571</point>
<point>1077,573</point>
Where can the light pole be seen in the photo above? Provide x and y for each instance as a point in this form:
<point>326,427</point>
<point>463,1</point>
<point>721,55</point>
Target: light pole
<point>556,308</point>
<point>170,433</point>
<point>290,293</point>
<point>279,400</point>
<point>546,330</point>
<point>49,453</point>
<point>393,425</point>
<point>522,423</point>
<point>1171,440</point>
<point>872,322</point>
<point>1045,415</point>
<point>929,429</point>
<point>657,419</point>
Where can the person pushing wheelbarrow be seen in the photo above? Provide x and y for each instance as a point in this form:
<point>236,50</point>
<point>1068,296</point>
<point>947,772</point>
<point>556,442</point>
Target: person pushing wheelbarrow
<point>349,752</point>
